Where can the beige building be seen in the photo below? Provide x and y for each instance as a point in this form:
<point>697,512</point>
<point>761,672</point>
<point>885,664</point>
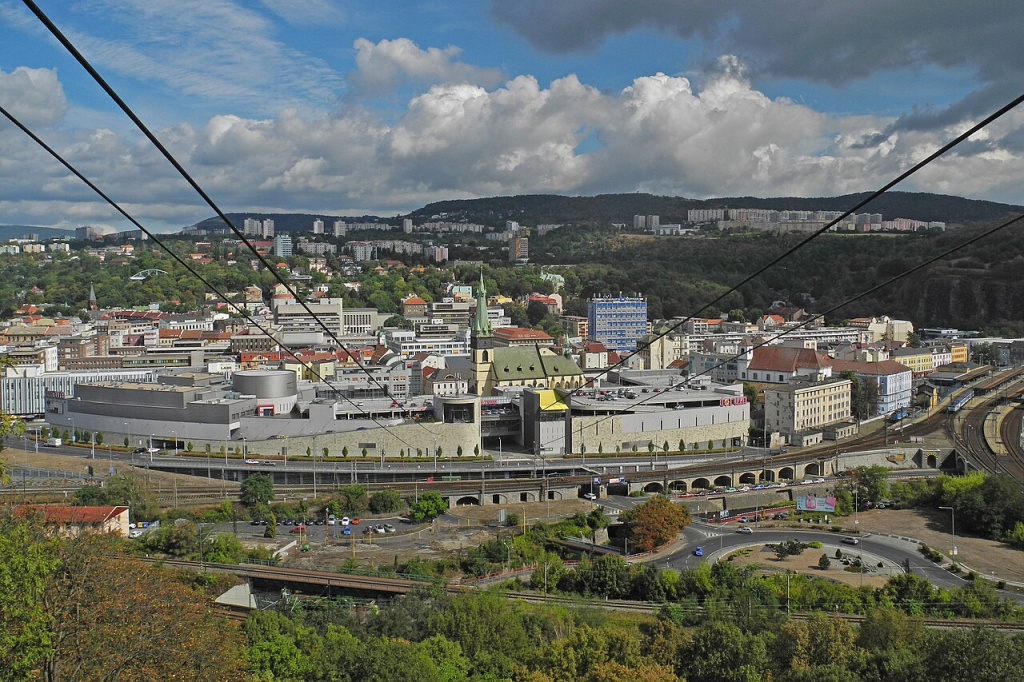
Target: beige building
<point>803,406</point>
<point>659,352</point>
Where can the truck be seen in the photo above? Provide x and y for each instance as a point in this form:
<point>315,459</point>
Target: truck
<point>53,442</point>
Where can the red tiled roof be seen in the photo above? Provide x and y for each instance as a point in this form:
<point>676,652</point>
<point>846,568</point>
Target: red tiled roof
<point>414,300</point>
<point>521,333</point>
<point>68,514</point>
<point>783,359</point>
<point>882,368</point>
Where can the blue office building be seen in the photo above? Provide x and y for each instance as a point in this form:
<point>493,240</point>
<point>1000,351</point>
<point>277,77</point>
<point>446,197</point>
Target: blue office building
<point>617,322</point>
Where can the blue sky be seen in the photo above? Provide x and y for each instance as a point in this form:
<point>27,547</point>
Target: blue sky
<point>352,107</point>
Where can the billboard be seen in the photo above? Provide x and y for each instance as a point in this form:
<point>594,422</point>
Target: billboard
<point>816,503</point>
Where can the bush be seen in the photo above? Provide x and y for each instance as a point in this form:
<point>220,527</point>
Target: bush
<point>385,502</point>
<point>824,563</point>
<point>814,544</point>
<point>512,520</point>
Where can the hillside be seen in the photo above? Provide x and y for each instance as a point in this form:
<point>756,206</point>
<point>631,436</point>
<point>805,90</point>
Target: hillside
<point>534,209</point>
<point>620,208</point>
<point>285,222</point>
<point>19,232</point>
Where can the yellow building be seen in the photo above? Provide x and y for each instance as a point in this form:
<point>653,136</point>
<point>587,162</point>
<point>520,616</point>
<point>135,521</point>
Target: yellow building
<point>960,353</point>
<point>804,406</point>
<point>919,360</point>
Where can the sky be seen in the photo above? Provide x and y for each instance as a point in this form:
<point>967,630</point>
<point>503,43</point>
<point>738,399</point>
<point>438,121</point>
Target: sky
<point>367,107</point>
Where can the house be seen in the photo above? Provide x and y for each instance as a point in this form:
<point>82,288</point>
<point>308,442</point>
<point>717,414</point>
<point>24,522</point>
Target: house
<point>73,521</point>
<point>520,336</point>
<point>781,364</point>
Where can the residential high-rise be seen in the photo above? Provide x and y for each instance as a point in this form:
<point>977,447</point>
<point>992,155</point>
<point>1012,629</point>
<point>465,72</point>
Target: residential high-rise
<point>267,229</point>
<point>340,228</point>
<point>518,249</point>
<point>617,322</point>
<point>283,245</point>
<point>318,226</point>
<point>407,225</point>
<point>251,227</point>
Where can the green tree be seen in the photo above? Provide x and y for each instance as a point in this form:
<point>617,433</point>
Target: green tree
<point>257,491</point>
<point>28,561</point>
<point>824,563</point>
<point>385,501</point>
<point>429,505</point>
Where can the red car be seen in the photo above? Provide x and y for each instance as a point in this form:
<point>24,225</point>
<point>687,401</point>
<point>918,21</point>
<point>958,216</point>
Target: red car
<point>355,520</point>
<point>298,529</point>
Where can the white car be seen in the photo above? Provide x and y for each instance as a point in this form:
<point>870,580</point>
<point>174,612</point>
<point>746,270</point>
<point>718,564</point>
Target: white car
<point>252,461</point>
<point>589,496</point>
<point>345,520</point>
<point>746,530</point>
<point>332,520</point>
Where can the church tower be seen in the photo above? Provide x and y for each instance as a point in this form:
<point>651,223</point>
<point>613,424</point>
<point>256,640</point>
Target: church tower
<point>481,343</point>
<point>93,303</point>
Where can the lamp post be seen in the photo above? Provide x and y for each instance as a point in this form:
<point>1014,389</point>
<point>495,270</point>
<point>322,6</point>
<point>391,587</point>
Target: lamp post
<point>92,444</point>
<point>151,449</point>
<point>500,461</point>
<point>508,549</point>
<point>74,436</point>
<point>435,455</point>
<point>245,448</point>
<point>952,532</point>
<point>174,434</point>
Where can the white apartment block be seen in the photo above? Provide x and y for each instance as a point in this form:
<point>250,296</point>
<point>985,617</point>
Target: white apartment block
<point>318,226</point>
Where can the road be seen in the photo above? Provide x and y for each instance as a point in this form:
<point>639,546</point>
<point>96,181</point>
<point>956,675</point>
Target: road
<point>717,540</point>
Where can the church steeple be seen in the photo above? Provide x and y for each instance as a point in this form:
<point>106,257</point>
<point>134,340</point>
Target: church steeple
<point>481,343</point>
<point>93,304</point>
<point>481,323</point>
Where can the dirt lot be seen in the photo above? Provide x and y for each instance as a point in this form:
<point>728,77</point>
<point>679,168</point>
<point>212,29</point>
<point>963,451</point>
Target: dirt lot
<point>932,527</point>
<point>49,460</point>
<point>450,539</point>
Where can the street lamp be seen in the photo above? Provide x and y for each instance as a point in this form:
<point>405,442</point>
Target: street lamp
<point>508,549</point>
<point>952,531</point>
<point>174,434</point>
<point>435,455</point>
<point>499,451</point>
<point>74,436</point>
<point>245,448</point>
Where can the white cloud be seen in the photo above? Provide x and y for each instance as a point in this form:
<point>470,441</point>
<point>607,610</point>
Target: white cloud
<point>660,134</point>
<point>383,66</point>
<point>215,50</point>
<point>33,96</point>
<point>305,12</point>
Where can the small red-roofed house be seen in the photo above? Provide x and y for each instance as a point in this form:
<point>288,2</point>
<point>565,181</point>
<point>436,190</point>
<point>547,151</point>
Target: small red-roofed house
<point>71,521</point>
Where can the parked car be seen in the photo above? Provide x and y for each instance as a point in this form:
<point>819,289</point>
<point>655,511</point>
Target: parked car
<point>298,529</point>
<point>388,528</point>
<point>356,520</point>
<point>332,520</point>
<point>347,530</point>
<point>345,520</point>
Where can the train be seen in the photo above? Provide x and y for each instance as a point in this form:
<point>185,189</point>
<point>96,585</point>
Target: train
<point>898,416</point>
<point>960,401</point>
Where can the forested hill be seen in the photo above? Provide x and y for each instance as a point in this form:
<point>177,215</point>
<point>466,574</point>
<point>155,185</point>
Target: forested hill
<point>289,222</point>
<point>21,231</point>
<point>620,208</point>
<point>538,209</point>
